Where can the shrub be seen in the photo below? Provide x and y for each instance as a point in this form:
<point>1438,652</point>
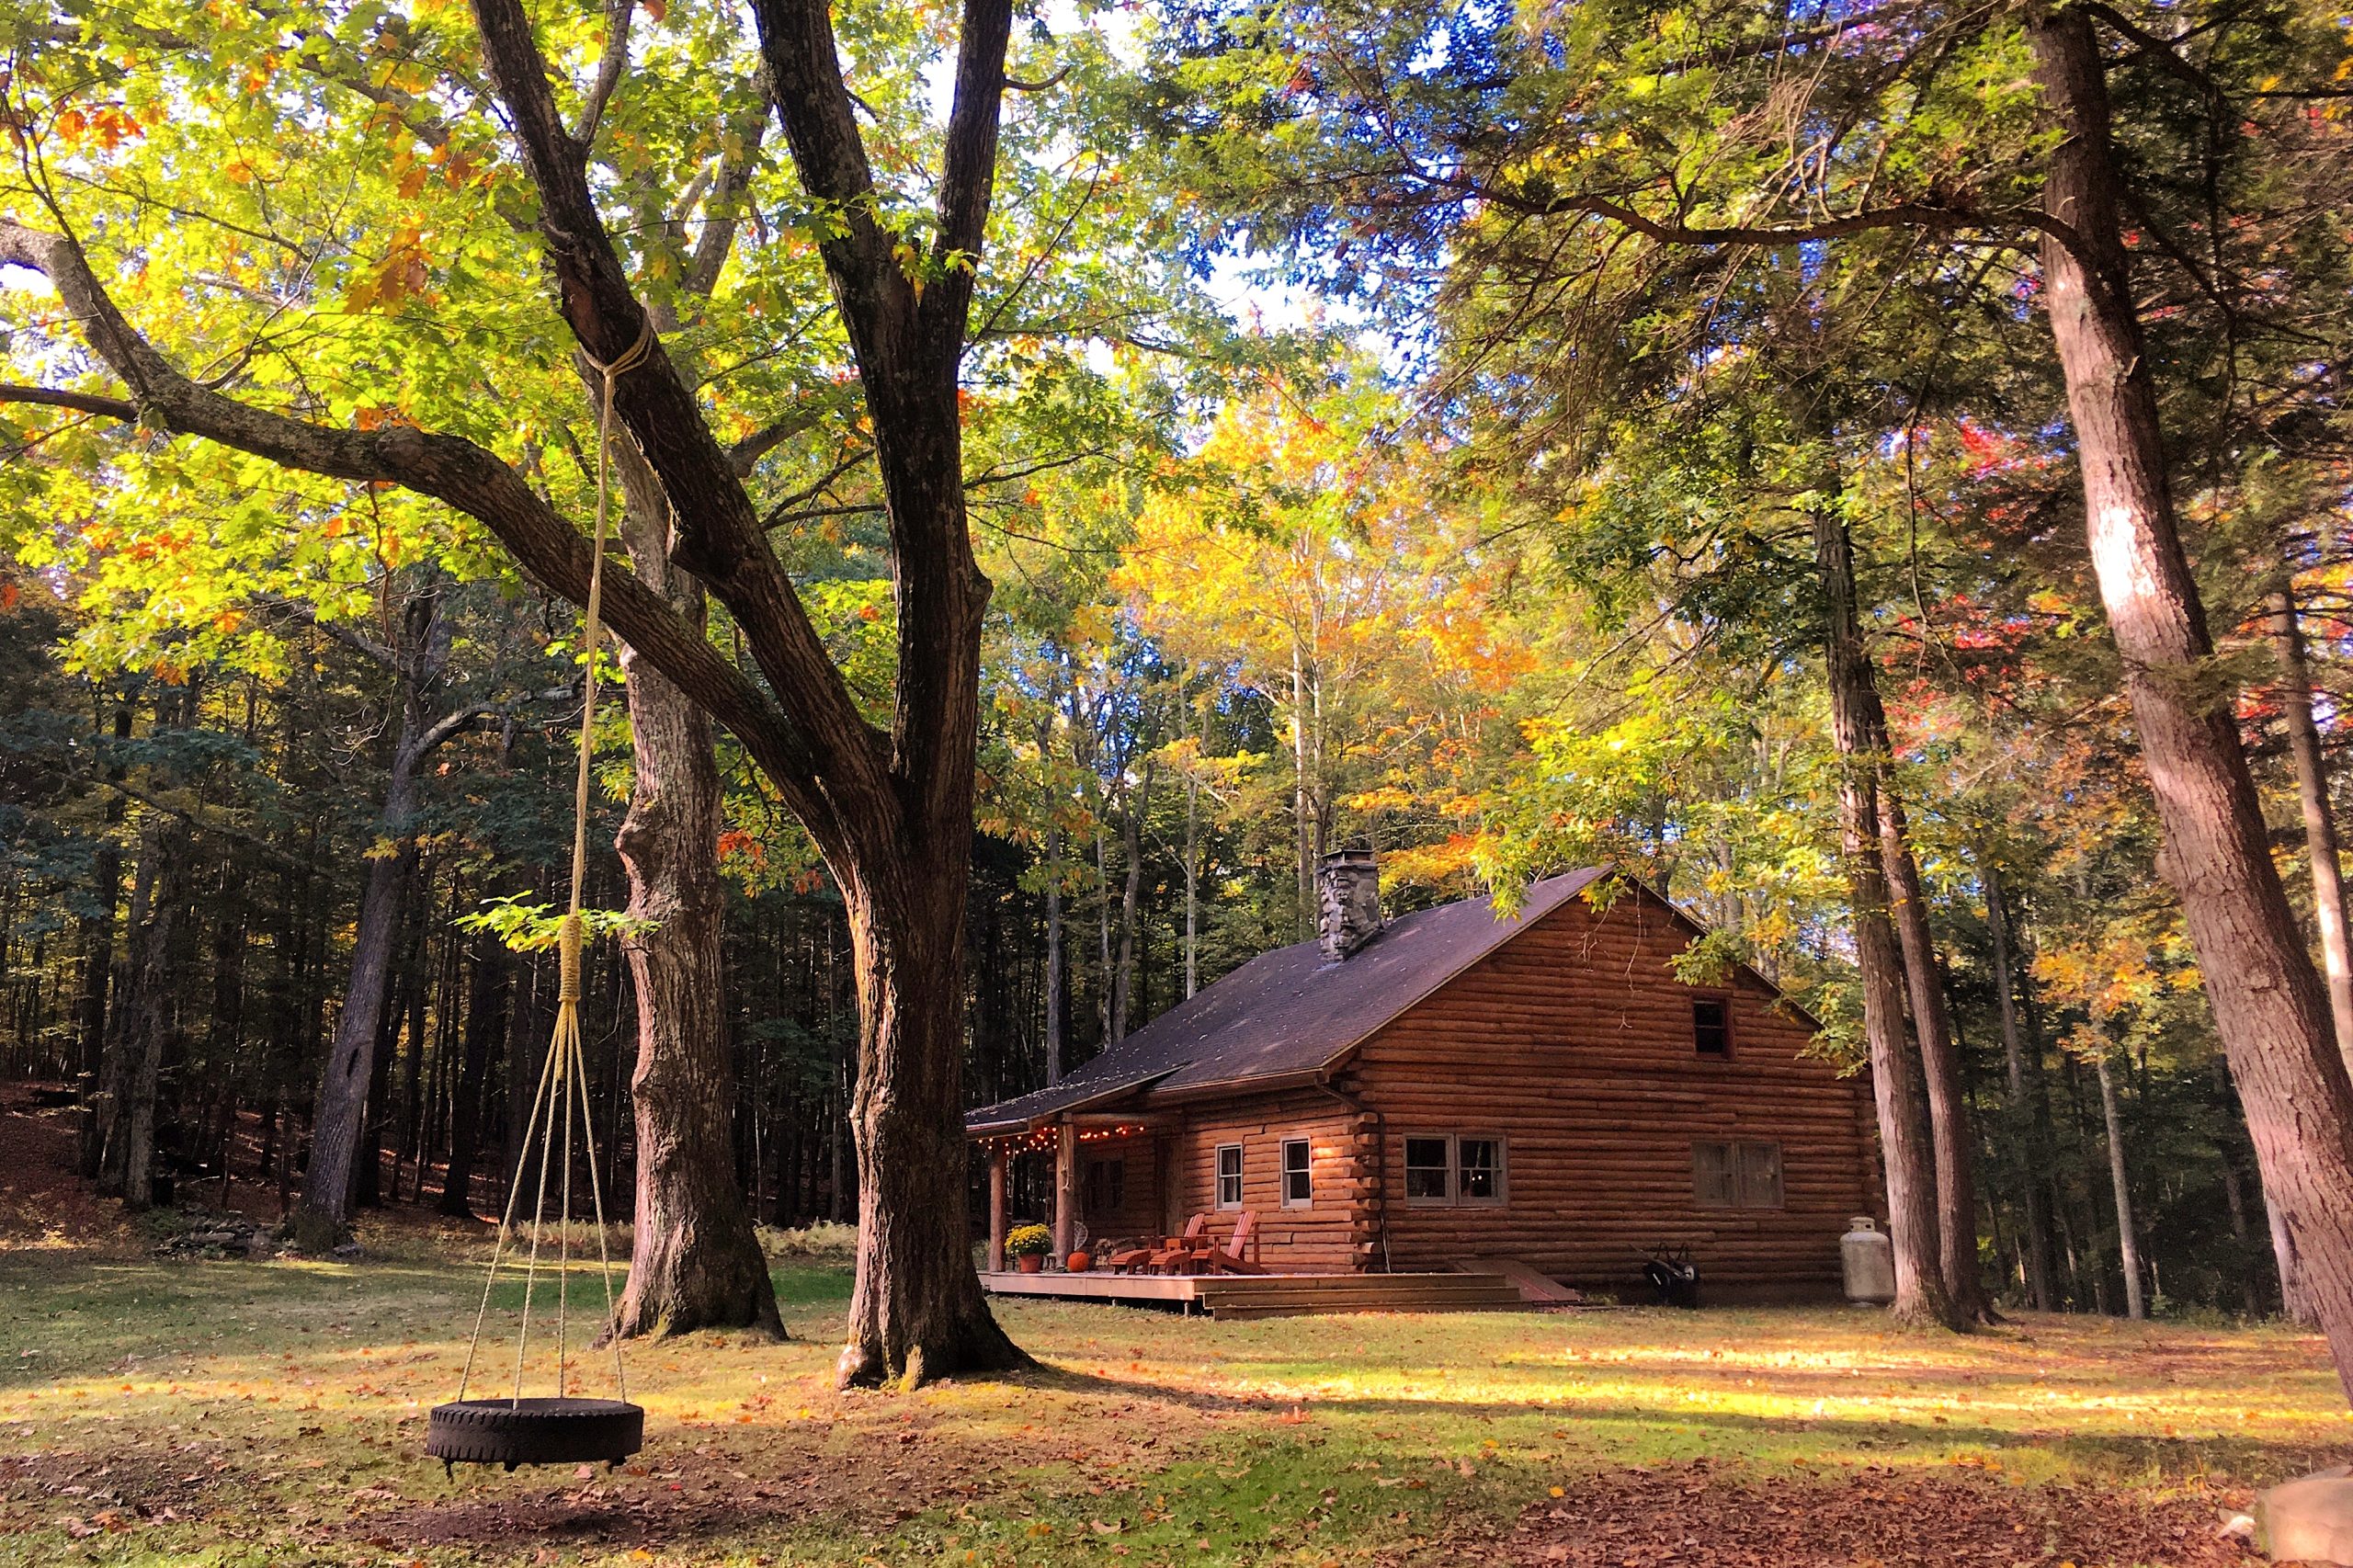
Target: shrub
<point>824,1241</point>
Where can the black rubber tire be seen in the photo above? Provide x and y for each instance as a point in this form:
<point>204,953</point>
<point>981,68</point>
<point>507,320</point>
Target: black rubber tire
<point>534,1431</point>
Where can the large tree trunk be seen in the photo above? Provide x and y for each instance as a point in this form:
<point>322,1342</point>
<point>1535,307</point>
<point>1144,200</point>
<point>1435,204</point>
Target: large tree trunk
<point>697,1262</point>
<point>1858,730</point>
<point>2320,821</point>
<point>2269,1006</point>
<point>2128,1235</point>
<point>2029,1109</point>
<point>1949,1134</point>
<point>338,1121</point>
<point>918,1311</point>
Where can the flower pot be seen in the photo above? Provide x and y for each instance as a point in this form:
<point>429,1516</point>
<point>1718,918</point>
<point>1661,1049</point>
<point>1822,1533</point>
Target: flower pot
<point>1030,1263</point>
<point>1079,1262</point>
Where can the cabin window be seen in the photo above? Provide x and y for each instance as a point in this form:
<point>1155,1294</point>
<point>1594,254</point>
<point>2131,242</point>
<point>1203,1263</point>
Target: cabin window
<point>1479,1168</point>
<point>1229,1176</point>
<point>1104,1190</point>
<point>1298,1179</point>
<point>1736,1175</point>
<point>1711,1026</point>
<point>1454,1170</point>
<point>1429,1171</point>
<point>1759,1175</point>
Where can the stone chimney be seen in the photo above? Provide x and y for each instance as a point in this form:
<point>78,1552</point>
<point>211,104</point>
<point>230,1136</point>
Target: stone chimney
<point>1349,885</point>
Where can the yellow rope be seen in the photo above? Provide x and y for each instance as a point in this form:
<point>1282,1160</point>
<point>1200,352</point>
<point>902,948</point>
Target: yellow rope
<point>565,1074</point>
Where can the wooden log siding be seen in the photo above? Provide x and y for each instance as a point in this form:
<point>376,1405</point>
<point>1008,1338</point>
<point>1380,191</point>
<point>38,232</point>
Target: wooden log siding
<point>1574,1044</point>
<point>1320,1239</point>
<point>1138,1214</point>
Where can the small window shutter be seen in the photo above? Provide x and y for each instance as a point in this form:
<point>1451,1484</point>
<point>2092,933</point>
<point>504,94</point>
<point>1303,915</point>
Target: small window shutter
<point>1760,1176</point>
<point>1711,1175</point>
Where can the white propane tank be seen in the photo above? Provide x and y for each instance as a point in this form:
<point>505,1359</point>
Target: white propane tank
<point>1869,1260</point>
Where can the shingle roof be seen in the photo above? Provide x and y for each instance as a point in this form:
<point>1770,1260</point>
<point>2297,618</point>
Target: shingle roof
<point>1289,1012</point>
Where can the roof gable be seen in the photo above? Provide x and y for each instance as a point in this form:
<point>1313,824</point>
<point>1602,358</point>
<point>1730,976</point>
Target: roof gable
<point>1292,1011</point>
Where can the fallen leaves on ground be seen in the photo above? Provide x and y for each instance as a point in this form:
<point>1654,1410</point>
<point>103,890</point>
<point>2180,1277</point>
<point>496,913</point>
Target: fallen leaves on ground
<point>1874,1517</point>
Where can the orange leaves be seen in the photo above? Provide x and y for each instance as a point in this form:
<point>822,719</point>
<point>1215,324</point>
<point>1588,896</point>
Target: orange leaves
<point>104,126</point>
<point>735,844</point>
<point>402,274</point>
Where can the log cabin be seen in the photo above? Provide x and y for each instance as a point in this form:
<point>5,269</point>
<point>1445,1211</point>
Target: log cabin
<point>1409,1096</point>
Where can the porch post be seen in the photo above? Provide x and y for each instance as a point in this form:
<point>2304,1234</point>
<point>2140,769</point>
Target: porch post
<point>996,1207</point>
<point>1065,1186</point>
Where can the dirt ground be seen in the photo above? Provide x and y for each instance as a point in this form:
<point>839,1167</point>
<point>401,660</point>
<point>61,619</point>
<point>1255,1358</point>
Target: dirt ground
<point>1880,1516</point>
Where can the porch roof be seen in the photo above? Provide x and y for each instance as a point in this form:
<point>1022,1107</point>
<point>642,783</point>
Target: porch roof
<point>1286,1013</point>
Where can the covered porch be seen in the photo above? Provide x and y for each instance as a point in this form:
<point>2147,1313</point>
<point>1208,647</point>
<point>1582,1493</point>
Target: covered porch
<point>1111,1180</point>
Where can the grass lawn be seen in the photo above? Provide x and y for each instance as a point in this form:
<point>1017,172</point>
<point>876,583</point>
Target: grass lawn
<point>240,1413</point>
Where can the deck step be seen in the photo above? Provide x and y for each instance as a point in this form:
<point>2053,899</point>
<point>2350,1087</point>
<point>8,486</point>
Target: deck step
<point>1240,1299</point>
<point>1316,1309</point>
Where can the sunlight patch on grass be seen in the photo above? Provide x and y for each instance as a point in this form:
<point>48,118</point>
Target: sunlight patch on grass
<point>236,1412</point>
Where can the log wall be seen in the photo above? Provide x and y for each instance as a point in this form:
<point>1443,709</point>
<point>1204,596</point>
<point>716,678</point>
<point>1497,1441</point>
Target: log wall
<point>1317,1239</point>
<point>1573,1043</point>
<point>1138,1213</point>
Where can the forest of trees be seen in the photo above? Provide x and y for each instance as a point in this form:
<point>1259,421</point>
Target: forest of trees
<point>1876,475</point>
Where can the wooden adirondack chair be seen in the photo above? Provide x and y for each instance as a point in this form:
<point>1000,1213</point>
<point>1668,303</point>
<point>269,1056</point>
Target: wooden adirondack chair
<point>1150,1259</point>
<point>1236,1256</point>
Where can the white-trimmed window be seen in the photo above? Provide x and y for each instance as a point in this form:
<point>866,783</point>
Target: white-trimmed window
<point>1229,1176</point>
<point>1455,1169</point>
<point>1299,1181</point>
<point>1736,1175</point>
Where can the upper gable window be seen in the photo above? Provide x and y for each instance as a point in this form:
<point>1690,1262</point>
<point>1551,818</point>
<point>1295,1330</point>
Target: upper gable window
<point>1711,1026</point>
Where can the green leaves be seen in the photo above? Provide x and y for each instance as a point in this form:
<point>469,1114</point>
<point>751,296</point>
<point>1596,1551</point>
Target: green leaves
<point>538,927</point>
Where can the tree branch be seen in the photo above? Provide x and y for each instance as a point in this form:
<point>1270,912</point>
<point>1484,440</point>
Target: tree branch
<point>448,468</point>
<point>745,454</point>
<point>717,529</point>
<point>610,65</point>
<point>80,402</point>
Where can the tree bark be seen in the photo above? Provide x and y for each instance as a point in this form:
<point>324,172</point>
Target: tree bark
<point>2128,1235</point>
<point>2029,1109</point>
<point>2270,1005</point>
<point>143,1016</point>
<point>1951,1137</point>
<point>1056,961</point>
<point>96,934</point>
<point>697,1262</point>
<point>2320,820</point>
<point>1920,1293</point>
<point>339,1119</point>
<point>917,1312</point>
<point>490,985</point>
<point>1192,856</point>
<point>1134,804</point>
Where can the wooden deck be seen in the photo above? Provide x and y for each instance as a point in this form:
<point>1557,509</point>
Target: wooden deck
<point>1235,1297</point>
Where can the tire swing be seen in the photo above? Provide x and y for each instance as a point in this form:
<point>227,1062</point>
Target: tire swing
<point>513,1429</point>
